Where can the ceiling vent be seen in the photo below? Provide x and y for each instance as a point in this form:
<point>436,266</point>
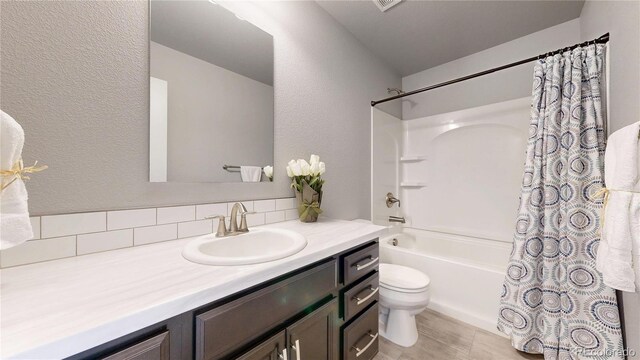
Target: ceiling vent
<point>385,5</point>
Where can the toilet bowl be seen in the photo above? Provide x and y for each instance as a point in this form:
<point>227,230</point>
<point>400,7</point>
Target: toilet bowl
<point>404,293</point>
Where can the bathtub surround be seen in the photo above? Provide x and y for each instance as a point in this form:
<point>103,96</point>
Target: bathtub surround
<point>553,298</point>
<point>479,156</point>
<point>68,235</point>
<point>54,58</point>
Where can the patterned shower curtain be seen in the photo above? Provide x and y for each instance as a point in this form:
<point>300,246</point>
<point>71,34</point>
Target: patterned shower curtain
<point>553,299</point>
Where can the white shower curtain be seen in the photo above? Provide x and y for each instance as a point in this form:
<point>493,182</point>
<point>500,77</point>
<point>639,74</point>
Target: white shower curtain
<point>554,301</point>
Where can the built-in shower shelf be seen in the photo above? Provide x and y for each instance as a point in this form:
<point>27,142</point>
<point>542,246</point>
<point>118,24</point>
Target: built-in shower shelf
<point>412,184</point>
<point>412,158</point>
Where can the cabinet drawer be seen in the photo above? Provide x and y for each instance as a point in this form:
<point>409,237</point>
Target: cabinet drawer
<point>359,263</point>
<point>229,327</point>
<point>360,296</point>
<point>156,348</point>
<point>360,338</point>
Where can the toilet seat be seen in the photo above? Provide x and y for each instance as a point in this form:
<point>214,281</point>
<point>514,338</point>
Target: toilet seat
<point>403,279</point>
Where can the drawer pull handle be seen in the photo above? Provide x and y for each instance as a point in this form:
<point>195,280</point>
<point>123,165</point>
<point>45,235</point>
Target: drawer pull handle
<point>361,301</point>
<point>366,265</point>
<point>361,351</point>
<point>296,347</point>
<point>283,356</point>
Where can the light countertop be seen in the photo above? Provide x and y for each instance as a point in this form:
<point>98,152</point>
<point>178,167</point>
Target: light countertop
<point>59,308</point>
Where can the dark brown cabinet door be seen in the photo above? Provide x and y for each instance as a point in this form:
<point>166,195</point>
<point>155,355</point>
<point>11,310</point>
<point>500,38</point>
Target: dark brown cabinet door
<point>271,349</point>
<point>156,348</point>
<point>315,337</point>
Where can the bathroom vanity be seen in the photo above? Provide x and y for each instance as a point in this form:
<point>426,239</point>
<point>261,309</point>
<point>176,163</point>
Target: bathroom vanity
<point>318,304</point>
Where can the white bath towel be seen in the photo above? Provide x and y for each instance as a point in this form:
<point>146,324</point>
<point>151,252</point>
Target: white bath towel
<point>618,250</point>
<point>15,227</point>
<point>250,173</point>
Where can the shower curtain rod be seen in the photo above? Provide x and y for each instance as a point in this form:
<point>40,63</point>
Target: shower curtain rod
<point>601,40</point>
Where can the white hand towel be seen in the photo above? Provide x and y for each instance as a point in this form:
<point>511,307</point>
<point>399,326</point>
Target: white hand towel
<point>621,232</point>
<point>15,227</point>
<point>250,173</point>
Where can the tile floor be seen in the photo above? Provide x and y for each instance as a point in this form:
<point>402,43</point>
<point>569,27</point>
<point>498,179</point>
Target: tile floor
<point>445,338</point>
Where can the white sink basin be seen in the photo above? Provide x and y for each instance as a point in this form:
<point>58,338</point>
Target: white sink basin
<point>256,246</point>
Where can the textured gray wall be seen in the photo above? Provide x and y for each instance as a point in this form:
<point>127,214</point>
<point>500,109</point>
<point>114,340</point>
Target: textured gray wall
<point>621,19</point>
<point>215,117</point>
<point>505,85</point>
<point>75,75</point>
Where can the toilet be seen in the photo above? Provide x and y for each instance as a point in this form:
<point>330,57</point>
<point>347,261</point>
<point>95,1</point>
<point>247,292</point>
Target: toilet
<point>404,293</point>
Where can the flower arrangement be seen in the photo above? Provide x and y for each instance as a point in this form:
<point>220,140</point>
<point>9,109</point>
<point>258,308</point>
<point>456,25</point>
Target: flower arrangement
<point>306,180</point>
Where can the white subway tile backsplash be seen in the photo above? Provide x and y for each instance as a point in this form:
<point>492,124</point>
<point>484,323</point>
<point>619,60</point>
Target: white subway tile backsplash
<point>103,241</point>
<point>35,225</point>
<point>247,204</point>
<point>286,204</point>
<point>274,217</point>
<point>206,210</point>
<point>125,219</point>
<point>264,205</point>
<point>152,234</point>
<point>176,214</point>
<point>195,228</point>
<point>65,235</point>
<point>39,250</point>
<point>255,219</point>
<point>72,224</point>
<point>291,214</point>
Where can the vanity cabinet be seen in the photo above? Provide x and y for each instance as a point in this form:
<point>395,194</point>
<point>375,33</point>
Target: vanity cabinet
<point>314,337</point>
<point>223,330</point>
<point>155,348</point>
<point>273,348</point>
<point>323,311</point>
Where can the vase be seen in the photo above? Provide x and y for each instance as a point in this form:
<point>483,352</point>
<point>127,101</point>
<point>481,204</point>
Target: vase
<point>309,202</point>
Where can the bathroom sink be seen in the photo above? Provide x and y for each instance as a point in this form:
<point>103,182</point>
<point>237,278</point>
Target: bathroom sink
<point>256,246</point>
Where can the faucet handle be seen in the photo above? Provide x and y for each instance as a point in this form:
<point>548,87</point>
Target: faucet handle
<point>390,200</point>
<point>243,221</point>
<point>222,227</point>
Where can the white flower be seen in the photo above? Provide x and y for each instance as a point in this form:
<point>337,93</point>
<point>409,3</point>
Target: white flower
<point>322,168</point>
<point>289,173</point>
<point>304,166</point>
<point>315,159</point>
<point>268,170</point>
<point>315,169</point>
<point>295,168</point>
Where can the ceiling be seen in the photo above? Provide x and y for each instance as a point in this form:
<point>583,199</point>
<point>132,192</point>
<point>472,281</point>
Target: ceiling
<point>211,33</point>
<point>418,35</point>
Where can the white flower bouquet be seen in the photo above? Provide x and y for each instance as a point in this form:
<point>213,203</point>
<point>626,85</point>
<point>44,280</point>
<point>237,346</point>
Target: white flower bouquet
<point>306,180</point>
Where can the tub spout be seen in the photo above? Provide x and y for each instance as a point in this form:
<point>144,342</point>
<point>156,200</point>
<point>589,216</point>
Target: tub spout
<point>398,219</point>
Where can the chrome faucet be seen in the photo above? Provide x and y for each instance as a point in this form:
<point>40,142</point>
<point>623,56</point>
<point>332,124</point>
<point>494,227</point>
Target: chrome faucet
<point>234,229</point>
<point>397,219</point>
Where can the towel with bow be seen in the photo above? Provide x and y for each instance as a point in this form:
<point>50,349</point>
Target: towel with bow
<point>620,240</point>
<point>15,226</point>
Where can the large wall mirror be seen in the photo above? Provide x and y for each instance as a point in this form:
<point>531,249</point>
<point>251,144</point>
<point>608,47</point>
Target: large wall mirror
<point>211,94</point>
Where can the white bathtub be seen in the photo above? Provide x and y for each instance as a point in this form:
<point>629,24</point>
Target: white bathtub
<point>466,273</point>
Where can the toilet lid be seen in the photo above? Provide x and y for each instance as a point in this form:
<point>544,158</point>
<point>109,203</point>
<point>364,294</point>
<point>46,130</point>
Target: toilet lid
<point>403,278</point>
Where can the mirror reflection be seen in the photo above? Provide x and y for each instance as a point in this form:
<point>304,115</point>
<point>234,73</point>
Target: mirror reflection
<point>211,95</point>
